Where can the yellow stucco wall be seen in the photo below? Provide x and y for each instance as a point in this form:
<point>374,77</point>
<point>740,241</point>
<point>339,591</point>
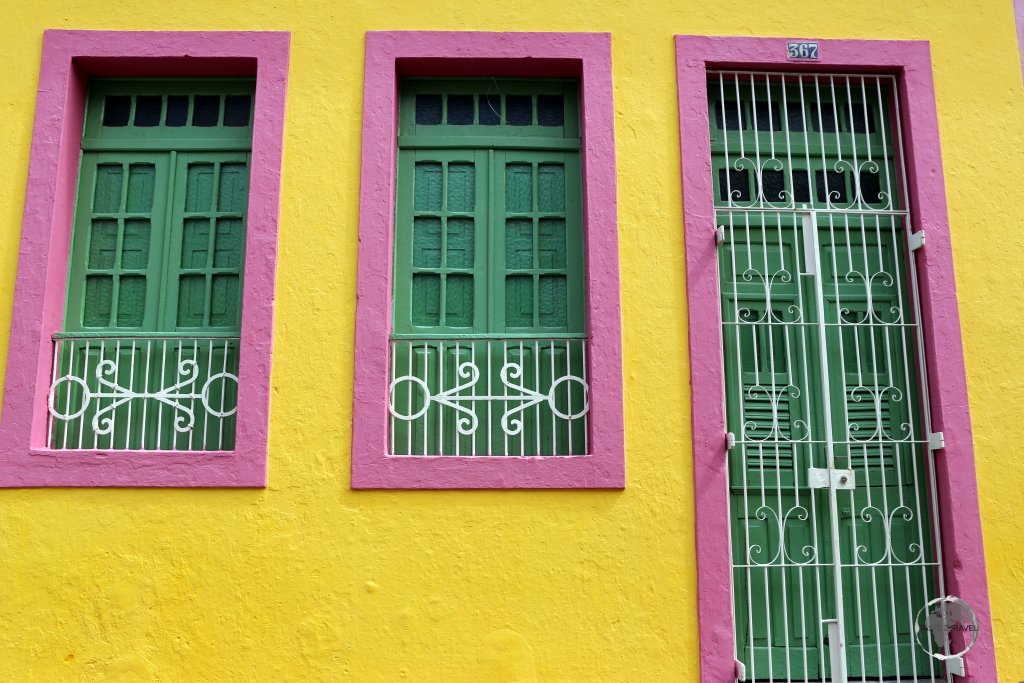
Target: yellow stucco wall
<point>308,580</point>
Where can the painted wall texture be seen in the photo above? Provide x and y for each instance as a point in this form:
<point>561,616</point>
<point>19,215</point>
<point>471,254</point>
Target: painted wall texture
<point>309,580</point>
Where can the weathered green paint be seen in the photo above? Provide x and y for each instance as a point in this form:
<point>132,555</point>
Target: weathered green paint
<point>158,249</point>
<point>776,405</point>
<point>489,243</point>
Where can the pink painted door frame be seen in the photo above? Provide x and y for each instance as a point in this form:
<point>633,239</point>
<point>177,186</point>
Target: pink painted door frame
<point>959,516</point>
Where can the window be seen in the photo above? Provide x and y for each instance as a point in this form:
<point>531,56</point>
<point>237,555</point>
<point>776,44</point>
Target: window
<point>488,345</point>
<point>830,434</point>
<point>150,291</point>
<point>148,358</point>
<point>489,336</point>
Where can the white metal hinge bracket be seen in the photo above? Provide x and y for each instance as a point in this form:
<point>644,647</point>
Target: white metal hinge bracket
<point>955,666</point>
<point>730,441</point>
<point>936,441</point>
<point>916,240</point>
<point>741,670</point>
<point>719,234</point>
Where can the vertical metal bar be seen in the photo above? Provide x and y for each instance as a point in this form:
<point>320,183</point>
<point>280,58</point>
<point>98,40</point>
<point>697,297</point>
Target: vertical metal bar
<point>554,418</point>
<point>209,373</point>
<point>536,387</point>
<point>504,403</point>
<point>81,418</point>
<point>224,391</point>
<point>568,387</point>
<point>192,401</point>
<point>474,447</point>
<point>458,356</point>
<point>489,392</point>
<point>426,413</point>
<point>440,406</point>
<point>811,242</point>
<point>586,415</point>
<point>522,375</point>
<point>131,387</point>
<point>113,400</point>
<point>392,363</point>
<point>145,388</point>
<point>180,343</point>
<point>53,393</point>
<point>409,425</point>
<point>835,647</point>
<point>159,406</point>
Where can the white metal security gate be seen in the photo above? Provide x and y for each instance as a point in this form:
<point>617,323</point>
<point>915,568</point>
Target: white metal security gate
<point>832,497</point>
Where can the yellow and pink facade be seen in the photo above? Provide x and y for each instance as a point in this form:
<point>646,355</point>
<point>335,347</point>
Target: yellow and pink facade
<point>314,548</point>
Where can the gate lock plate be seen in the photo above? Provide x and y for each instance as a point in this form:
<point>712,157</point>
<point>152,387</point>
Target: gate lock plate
<point>823,478</point>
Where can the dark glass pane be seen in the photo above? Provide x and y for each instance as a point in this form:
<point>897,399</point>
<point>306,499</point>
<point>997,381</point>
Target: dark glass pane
<point>147,110</point>
<point>116,109</point>
<point>859,121</point>
<point>729,116</point>
<point>836,187</point>
<point>236,110</point>
<point>519,110</point>
<point>766,117</point>
<point>490,110</point>
<point>774,186</point>
<point>801,187</point>
<point>824,119</point>
<point>550,110</point>
<point>870,187</point>
<point>428,110</point>
<point>206,111</point>
<point>460,110</point>
<point>795,113</point>
<point>177,110</point>
<point>738,184</point>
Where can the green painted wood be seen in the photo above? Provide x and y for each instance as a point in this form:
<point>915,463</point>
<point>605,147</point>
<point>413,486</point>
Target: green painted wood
<point>768,472</point>
<point>169,114</point>
<point>488,244</point>
<point>776,404</point>
<point>114,277</point>
<point>206,244</point>
<point>158,249</point>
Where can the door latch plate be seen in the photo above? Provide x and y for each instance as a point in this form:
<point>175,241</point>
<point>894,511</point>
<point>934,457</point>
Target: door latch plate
<point>823,478</point>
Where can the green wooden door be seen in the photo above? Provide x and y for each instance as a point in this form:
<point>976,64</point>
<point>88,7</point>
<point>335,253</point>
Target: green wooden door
<point>822,381</point>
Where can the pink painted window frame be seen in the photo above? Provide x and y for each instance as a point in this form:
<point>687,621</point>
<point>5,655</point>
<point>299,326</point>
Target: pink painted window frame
<point>959,516</point>
<point>389,56</point>
<point>69,58</point>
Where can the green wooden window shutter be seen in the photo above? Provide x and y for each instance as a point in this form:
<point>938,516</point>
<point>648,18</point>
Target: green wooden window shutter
<point>157,257</point>
<point>488,245</point>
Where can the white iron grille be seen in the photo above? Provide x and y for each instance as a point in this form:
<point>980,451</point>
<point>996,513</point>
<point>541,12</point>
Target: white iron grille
<point>825,385</point>
<point>143,393</point>
<point>488,397</point>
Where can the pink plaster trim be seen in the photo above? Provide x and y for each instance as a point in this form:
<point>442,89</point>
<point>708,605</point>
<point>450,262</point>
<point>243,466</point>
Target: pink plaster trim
<point>69,58</point>
<point>389,55</point>
<point>1018,18</point>
<point>963,552</point>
